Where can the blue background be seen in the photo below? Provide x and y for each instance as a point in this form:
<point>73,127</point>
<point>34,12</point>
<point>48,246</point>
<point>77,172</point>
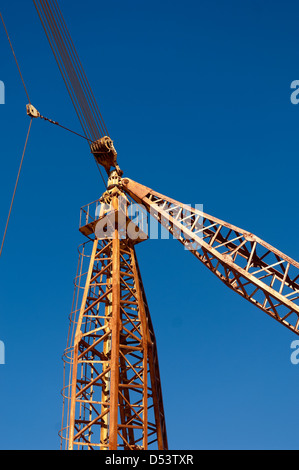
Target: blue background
<point>196,96</point>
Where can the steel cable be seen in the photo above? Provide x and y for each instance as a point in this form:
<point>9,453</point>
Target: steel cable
<point>77,87</point>
<point>15,189</point>
<point>71,68</point>
<point>72,71</point>
<point>63,73</point>
<point>88,87</point>
<point>20,73</point>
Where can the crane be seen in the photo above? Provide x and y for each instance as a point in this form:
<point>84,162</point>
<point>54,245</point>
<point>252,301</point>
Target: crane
<point>113,389</point>
<point>122,339</point>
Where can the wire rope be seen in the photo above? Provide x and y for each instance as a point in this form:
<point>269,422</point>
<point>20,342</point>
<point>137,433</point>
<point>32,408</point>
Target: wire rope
<point>20,73</point>
<point>15,188</point>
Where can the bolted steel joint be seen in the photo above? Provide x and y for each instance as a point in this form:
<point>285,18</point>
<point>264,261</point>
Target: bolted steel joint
<point>114,179</point>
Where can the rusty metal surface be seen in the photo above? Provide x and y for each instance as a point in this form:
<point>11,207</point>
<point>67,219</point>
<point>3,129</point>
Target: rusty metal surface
<point>112,393</point>
<point>249,266</point>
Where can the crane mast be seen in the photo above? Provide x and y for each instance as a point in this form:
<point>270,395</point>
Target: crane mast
<point>113,398</point>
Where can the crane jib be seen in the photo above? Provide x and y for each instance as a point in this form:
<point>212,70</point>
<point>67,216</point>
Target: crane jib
<point>249,266</point>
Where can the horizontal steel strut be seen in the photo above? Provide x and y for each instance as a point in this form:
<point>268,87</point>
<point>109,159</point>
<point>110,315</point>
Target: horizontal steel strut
<point>249,266</point>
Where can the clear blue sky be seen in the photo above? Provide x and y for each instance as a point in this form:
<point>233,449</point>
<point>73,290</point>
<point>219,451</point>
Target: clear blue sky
<point>196,96</point>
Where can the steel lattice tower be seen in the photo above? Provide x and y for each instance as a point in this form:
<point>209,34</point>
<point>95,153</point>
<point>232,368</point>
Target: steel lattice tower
<point>113,394</point>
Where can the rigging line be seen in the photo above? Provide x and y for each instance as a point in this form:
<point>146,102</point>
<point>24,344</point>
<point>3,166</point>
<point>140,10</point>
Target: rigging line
<point>54,45</point>
<point>88,87</point>
<point>99,168</point>
<point>80,68</point>
<point>79,135</point>
<point>66,128</point>
<point>50,35</point>
<point>68,65</point>
<point>60,66</point>
<point>71,62</point>
<point>79,93</point>
<point>66,52</point>
<point>20,73</point>
<point>73,66</point>
<point>15,189</point>
<point>57,35</point>
<point>70,69</point>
